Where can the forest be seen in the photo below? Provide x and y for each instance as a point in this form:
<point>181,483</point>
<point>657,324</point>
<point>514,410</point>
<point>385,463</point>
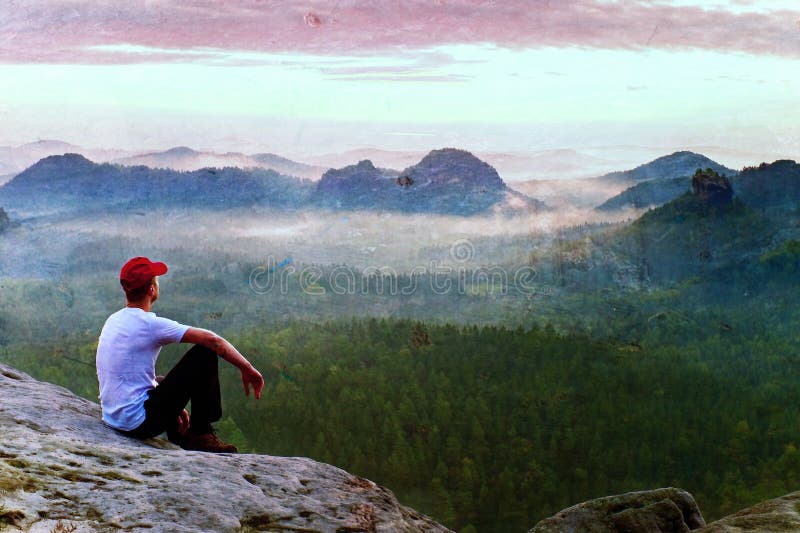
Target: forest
<point>492,428</point>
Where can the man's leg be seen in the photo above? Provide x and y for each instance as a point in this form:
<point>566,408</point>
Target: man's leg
<point>194,378</point>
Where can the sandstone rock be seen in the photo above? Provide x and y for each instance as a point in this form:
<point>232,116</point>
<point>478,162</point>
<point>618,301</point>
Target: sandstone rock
<point>712,188</point>
<point>665,510</point>
<point>772,516</point>
<point>60,467</point>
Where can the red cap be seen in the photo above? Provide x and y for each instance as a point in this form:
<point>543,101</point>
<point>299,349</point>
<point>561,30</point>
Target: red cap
<point>138,271</point>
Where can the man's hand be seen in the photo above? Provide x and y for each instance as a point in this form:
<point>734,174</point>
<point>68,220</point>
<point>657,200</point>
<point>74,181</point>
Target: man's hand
<point>183,422</point>
<point>251,376</point>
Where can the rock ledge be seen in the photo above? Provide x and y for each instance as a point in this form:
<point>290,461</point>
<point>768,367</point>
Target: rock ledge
<point>59,463</point>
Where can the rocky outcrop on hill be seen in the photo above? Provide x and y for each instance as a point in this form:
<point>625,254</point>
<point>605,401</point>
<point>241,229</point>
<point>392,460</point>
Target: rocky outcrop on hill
<point>61,469</point>
<point>667,510</point>
<point>705,233</point>
<point>657,182</point>
<point>712,188</point>
<point>771,187</point>
<point>670,510</point>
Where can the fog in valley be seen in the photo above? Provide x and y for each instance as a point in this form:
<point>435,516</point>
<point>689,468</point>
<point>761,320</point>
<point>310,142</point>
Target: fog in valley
<point>44,246</point>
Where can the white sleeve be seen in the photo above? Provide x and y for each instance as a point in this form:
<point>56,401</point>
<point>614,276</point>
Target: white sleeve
<point>166,331</point>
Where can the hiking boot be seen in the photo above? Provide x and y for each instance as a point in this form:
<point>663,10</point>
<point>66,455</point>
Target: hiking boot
<point>206,442</point>
<point>174,437</point>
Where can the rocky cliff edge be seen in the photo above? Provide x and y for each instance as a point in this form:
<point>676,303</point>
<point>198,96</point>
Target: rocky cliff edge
<point>61,469</point>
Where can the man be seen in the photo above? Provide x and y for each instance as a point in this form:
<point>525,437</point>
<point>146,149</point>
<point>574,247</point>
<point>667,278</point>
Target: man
<point>140,405</point>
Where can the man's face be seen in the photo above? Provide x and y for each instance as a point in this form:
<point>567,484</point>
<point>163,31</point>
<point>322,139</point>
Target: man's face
<point>155,288</point>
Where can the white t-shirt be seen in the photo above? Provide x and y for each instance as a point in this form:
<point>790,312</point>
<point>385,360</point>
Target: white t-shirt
<point>126,362</point>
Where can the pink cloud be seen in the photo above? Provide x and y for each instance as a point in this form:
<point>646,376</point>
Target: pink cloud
<point>61,30</point>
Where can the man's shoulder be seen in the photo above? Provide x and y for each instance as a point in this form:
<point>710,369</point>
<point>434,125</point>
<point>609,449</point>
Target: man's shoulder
<point>126,315</point>
<point>154,317</point>
<point>116,316</point>
<point>123,314</point>
<point>135,317</point>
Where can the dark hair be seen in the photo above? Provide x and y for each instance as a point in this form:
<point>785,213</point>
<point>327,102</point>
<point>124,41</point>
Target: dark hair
<point>137,293</point>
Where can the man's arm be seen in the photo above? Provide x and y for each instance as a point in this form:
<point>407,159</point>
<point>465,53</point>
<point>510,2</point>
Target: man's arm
<point>226,350</point>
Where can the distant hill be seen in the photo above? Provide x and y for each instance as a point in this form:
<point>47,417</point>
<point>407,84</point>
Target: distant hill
<point>657,182</point>
<point>15,159</point>
<point>360,186</point>
<point>690,238</point>
<point>72,181</point>
<point>694,235</point>
<point>610,191</point>
<point>511,165</point>
<point>770,185</point>
<point>679,164</point>
<point>184,158</point>
<point>289,167</point>
<point>447,181</point>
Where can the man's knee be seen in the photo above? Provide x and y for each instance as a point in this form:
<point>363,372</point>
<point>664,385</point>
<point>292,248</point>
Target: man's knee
<point>203,355</point>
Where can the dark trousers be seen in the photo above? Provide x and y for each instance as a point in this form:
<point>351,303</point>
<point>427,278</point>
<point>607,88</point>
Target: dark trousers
<point>195,378</point>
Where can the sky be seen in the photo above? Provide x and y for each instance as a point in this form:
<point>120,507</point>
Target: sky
<point>314,77</point>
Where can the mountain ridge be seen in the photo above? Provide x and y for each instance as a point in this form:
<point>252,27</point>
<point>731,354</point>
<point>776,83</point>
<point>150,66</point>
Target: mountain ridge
<point>658,181</point>
<point>447,181</point>
<point>188,159</point>
<point>72,181</point>
<point>768,185</point>
<point>638,187</point>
